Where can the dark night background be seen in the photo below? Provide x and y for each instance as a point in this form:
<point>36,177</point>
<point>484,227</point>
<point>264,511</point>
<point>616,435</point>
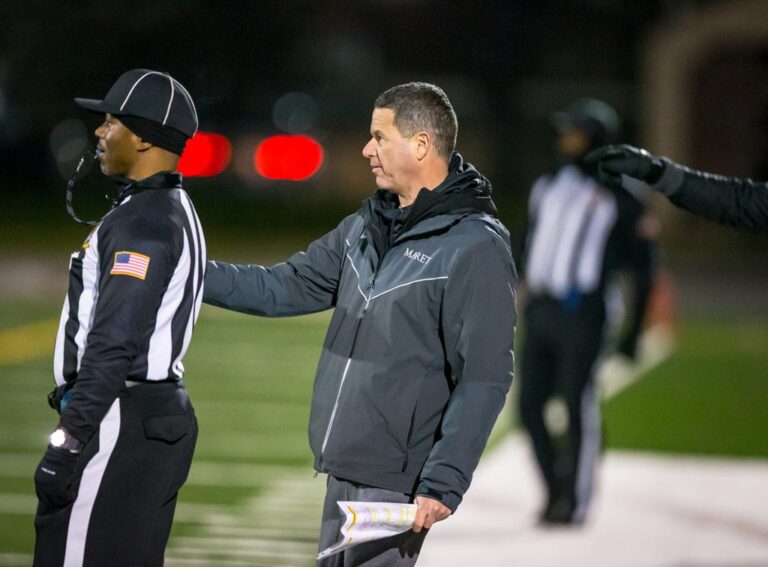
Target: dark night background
<point>689,79</point>
<point>505,65</point>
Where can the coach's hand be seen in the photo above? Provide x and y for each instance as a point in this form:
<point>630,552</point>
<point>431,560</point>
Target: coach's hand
<point>53,477</point>
<point>428,512</point>
<point>615,161</point>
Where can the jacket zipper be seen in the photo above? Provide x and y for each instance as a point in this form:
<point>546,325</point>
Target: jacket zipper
<point>349,361</point>
<point>335,407</point>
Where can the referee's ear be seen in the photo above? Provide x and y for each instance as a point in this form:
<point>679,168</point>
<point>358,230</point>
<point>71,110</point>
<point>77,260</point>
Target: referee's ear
<point>138,143</point>
<point>142,146</point>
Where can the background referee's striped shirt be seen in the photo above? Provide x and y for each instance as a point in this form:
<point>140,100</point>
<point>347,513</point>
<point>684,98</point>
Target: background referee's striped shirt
<point>573,218</point>
<point>135,290</point>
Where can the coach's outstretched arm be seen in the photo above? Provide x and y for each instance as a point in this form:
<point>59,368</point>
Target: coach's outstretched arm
<point>306,283</point>
<point>741,203</point>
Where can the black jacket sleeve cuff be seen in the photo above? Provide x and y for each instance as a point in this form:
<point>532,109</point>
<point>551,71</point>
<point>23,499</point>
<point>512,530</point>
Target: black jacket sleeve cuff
<point>671,178</point>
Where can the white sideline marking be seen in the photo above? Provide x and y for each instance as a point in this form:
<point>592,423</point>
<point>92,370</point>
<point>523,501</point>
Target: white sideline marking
<point>617,374</point>
<point>651,511</point>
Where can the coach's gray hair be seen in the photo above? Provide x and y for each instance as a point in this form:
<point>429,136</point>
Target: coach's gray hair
<point>422,106</point>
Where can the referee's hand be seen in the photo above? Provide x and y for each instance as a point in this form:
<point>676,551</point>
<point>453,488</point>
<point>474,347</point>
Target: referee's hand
<point>428,512</point>
<point>53,477</point>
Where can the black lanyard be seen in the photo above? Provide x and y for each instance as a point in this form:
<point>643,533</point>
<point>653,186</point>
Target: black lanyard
<point>89,156</point>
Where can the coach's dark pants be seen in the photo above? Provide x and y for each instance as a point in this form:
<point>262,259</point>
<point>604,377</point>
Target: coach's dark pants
<point>559,356</point>
<point>400,550</point>
<point>126,481</point>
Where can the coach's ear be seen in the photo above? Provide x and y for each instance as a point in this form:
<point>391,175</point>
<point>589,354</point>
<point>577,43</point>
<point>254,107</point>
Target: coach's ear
<point>422,143</point>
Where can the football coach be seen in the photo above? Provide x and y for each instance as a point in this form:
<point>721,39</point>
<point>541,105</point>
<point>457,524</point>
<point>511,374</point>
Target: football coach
<point>417,360</point>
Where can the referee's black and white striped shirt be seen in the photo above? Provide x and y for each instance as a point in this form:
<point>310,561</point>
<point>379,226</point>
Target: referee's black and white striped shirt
<point>579,232</point>
<point>135,290</point>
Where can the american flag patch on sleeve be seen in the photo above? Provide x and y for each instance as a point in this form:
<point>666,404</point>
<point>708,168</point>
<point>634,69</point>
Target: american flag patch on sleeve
<point>130,264</point>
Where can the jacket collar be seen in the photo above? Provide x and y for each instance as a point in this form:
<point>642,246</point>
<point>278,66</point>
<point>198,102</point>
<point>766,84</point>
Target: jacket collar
<point>438,223</point>
<point>161,180</point>
<point>464,191</point>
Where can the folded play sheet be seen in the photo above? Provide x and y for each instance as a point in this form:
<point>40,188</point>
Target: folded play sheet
<point>367,521</point>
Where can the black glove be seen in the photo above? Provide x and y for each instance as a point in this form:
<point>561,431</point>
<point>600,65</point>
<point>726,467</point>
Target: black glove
<point>628,347</point>
<point>613,161</point>
<point>53,477</point>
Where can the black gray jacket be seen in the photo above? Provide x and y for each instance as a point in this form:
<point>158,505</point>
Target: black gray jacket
<point>418,356</point>
<point>741,203</point>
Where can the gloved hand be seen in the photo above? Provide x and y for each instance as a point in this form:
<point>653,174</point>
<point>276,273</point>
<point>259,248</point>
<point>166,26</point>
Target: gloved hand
<point>628,347</point>
<point>53,477</point>
<point>615,161</point>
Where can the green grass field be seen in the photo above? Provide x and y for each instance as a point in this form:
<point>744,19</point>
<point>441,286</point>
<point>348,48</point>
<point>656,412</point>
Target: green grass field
<point>708,398</point>
<point>250,380</point>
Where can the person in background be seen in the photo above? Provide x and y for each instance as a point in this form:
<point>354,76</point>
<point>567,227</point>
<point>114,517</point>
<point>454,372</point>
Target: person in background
<point>581,234</point>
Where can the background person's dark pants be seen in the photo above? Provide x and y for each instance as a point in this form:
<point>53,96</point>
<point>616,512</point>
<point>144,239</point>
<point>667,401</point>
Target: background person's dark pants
<point>398,551</point>
<point>127,479</point>
<point>559,357</point>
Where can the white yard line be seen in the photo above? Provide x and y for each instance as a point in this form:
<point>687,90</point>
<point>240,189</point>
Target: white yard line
<point>278,527</point>
<point>15,560</point>
<point>18,504</point>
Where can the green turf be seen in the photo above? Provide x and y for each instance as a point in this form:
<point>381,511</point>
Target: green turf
<point>708,398</point>
<point>249,378</point>
<point>251,382</point>
<point>26,311</point>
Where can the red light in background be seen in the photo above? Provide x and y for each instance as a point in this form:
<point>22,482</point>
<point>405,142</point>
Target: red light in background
<point>293,158</point>
<point>205,155</point>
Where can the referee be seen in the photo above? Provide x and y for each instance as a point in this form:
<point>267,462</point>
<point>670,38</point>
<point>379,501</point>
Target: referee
<point>581,233</point>
<point>108,481</point>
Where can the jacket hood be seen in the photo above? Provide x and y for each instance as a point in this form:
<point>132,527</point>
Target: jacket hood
<point>464,191</point>
<point>463,176</point>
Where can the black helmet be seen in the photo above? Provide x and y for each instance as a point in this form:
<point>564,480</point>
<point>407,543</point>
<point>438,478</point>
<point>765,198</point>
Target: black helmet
<point>597,119</point>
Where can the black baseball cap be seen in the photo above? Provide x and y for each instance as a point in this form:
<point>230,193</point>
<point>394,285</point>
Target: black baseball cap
<point>596,118</point>
<point>148,95</point>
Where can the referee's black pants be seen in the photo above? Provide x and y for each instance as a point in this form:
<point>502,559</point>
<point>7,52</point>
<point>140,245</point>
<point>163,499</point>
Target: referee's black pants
<point>126,481</point>
<point>559,355</point>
